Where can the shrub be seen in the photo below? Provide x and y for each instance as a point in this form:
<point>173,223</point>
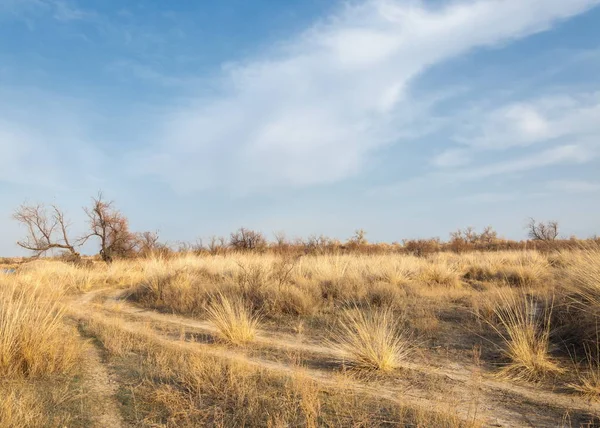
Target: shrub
<point>247,240</point>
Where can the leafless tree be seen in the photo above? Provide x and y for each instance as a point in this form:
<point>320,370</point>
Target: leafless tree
<point>540,231</point>
<point>280,239</point>
<point>246,239</point>
<point>359,238</point>
<point>47,229</point>
<point>147,243</point>
<point>111,227</point>
<point>217,245</point>
<point>488,236</point>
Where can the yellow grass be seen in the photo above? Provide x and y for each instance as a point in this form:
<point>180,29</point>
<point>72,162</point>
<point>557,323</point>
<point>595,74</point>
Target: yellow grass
<point>234,320</point>
<point>185,387</point>
<point>33,339</point>
<point>525,330</point>
<point>433,296</point>
<point>371,339</point>
<point>584,273</point>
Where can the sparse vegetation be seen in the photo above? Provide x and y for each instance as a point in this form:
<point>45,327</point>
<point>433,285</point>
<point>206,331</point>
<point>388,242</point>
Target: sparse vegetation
<point>343,334</point>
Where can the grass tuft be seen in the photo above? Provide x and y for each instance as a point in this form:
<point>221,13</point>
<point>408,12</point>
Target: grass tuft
<point>234,320</point>
<point>371,339</point>
<point>525,331</point>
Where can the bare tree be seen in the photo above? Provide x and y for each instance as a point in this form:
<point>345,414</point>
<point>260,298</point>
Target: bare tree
<point>147,243</point>
<point>280,239</point>
<point>540,231</point>
<point>47,229</point>
<point>246,239</point>
<point>111,227</point>
<point>217,245</point>
<point>359,238</point>
<point>488,236</point>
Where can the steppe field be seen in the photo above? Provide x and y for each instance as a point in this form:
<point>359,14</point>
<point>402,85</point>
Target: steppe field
<point>447,340</point>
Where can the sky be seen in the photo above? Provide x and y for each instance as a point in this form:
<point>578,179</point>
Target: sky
<point>405,118</point>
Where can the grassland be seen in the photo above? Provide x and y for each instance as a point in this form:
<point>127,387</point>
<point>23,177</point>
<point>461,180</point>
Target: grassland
<point>505,338</point>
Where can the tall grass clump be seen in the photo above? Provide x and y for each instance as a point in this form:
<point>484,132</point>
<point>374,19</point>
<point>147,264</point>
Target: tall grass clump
<point>33,339</point>
<point>587,379</point>
<point>584,272</point>
<point>233,319</point>
<point>524,325</point>
<point>371,339</point>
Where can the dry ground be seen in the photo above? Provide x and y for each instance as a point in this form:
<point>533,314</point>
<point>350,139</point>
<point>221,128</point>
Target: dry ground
<point>489,339</point>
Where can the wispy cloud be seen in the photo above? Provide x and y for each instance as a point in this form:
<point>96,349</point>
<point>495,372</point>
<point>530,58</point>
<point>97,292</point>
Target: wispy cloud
<point>316,107</point>
<point>132,69</point>
<point>497,198</point>
<point>566,154</point>
<point>569,154</point>
<point>534,121</point>
<point>61,10</point>
<point>565,127</point>
<point>44,140</point>
<point>574,186</point>
<point>452,158</point>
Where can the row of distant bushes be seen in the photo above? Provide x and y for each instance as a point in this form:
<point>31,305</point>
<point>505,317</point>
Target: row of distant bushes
<point>47,231</point>
<point>467,240</point>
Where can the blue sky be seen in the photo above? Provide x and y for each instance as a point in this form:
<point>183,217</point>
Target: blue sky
<point>406,118</point>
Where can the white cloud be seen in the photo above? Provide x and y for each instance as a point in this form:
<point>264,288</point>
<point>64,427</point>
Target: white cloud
<point>22,159</point>
<point>44,141</point>
<point>566,154</point>
<point>61,10</point>
<point>569,154</point>
<point>574,186</point>
<point>452,158</point>
<point>535,121</point>
<point>490,197</point>
<point>313,110</point>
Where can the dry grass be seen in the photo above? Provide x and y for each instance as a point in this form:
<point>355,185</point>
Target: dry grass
<point>34,341</point>
<point>39,356</point>
<point>180,387</point>
<point>371,307</point>
<point>26,404</point>
<point>371,339</point>
<point>525,330</point>
<point>234,320</point>
<point>584,272</point>
<point>587,380</point>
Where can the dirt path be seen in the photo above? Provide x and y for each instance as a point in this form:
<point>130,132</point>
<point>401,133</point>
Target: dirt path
<point>499,403</point>
<point>105,411</point>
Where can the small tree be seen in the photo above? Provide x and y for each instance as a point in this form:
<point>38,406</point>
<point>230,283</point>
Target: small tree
<point>217,245</point>
<point>111,227</point>
<point>246,239</point>
<point>488,236</point>
<point>147,243</point>
<point>540,231</point>
<point>47,229</point>
<point>359,238</point>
